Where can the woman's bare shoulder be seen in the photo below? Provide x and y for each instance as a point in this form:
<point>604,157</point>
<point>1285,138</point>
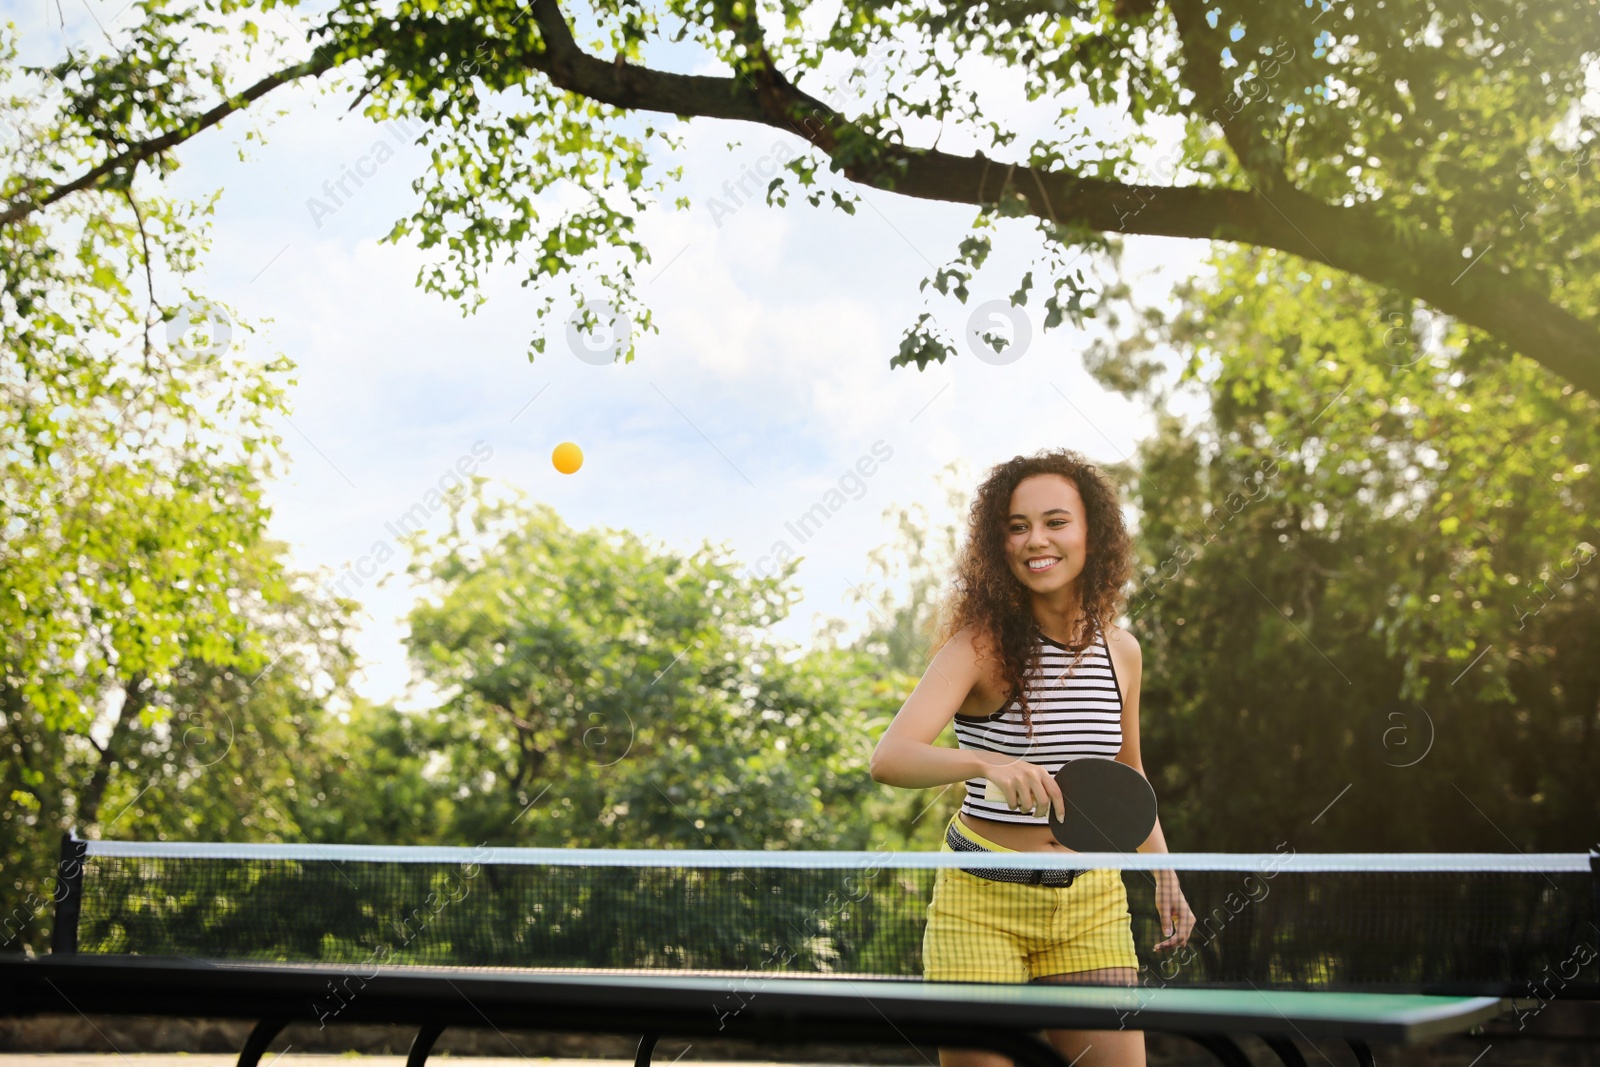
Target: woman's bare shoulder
<point>972,642</point>
<point>1124,648</point>
<point>1116,635</point>
<point>979,660</point>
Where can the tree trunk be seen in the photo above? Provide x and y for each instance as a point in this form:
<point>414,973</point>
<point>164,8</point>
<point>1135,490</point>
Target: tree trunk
<point>89,803</point>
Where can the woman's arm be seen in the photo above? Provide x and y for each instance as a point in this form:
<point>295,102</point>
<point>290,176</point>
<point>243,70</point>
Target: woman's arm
<point>1176,918</point>
<point>906,755</point>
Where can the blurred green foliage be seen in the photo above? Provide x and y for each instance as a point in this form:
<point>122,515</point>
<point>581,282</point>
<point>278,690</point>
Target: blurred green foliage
<point>599,691</point>
<point>1368,603</point>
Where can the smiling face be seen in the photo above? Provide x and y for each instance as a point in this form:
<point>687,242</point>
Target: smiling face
<point>1047,526</point>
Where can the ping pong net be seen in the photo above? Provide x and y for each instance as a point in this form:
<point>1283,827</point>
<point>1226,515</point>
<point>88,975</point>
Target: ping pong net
<point>1479,924</point>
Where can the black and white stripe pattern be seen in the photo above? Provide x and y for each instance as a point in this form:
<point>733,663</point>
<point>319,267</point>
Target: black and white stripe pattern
<point>959,843</point>
<point>1075,714</point>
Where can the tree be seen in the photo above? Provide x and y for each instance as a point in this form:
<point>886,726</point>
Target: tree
<point>601,692</point>
<point>225,748</point>
<point>1369,588</point>
<point>1432,148</point>
<point>152,636</point>
<point>907,578</point>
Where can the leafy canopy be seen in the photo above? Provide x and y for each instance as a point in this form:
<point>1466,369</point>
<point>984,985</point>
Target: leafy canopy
<point>1371,565</point>
<point>598,691</point>
<point>1441,150</point>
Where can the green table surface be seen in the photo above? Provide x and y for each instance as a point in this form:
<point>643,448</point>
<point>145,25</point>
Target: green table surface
<point>805,1000</point>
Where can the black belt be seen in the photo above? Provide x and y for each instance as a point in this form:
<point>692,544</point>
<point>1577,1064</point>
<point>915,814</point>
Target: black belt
<point>960,843</point>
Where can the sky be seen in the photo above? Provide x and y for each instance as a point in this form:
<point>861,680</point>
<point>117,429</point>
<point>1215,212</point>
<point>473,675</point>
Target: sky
<point>767,386</point>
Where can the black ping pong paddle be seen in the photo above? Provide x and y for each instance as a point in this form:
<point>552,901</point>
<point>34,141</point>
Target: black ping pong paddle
<point>1110,806</point>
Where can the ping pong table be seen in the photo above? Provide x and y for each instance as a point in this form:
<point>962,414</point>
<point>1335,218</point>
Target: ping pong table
<point>1004,1018</point>
<point>1392,950</point>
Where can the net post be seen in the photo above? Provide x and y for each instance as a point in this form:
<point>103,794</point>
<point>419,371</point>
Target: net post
<point>1594,886</point>
<point>68,894</point>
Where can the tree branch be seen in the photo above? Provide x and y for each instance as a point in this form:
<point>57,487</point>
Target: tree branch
<point>149,275</point>
<point>1515,309</point>
<point>1202,73</point>
<point>144,150</point>
<point>1357,240</point>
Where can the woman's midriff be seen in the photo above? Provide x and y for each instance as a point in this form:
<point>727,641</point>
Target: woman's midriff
<point>1015,836</point>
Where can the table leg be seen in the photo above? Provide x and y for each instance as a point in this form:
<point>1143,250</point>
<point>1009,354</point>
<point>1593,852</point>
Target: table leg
<point>259,1039</point>
<point>647,1048</point>
<point>1286,1049</point>
<point>422,1044</point>
<point>1223,1048</point>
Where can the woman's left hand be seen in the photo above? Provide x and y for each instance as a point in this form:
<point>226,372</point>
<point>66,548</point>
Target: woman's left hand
<point>1176,918</point>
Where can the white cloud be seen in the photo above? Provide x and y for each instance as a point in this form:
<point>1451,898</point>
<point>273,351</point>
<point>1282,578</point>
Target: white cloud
<point>769,379</point>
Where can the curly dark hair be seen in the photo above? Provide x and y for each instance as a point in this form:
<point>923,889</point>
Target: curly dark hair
<point>987,596</point>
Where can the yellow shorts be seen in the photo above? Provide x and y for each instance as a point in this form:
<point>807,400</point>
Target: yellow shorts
<point>983,931</point>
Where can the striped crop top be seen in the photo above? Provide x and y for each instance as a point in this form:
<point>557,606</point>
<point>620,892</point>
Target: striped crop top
<point>1075,715</point>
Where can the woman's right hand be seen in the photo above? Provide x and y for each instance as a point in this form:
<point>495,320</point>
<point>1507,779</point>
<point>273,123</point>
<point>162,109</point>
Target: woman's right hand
<point>1028,787</point>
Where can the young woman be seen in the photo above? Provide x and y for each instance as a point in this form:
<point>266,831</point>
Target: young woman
<point>1034,673</point>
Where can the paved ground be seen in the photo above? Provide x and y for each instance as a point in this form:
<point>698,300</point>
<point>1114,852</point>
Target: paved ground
<point>208,1059</point>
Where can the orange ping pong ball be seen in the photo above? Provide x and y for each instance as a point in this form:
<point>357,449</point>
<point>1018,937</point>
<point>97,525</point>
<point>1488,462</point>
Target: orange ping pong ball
<point>567,457</point>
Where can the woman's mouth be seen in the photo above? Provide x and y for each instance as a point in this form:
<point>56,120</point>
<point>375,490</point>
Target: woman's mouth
<point>1042,564</point>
